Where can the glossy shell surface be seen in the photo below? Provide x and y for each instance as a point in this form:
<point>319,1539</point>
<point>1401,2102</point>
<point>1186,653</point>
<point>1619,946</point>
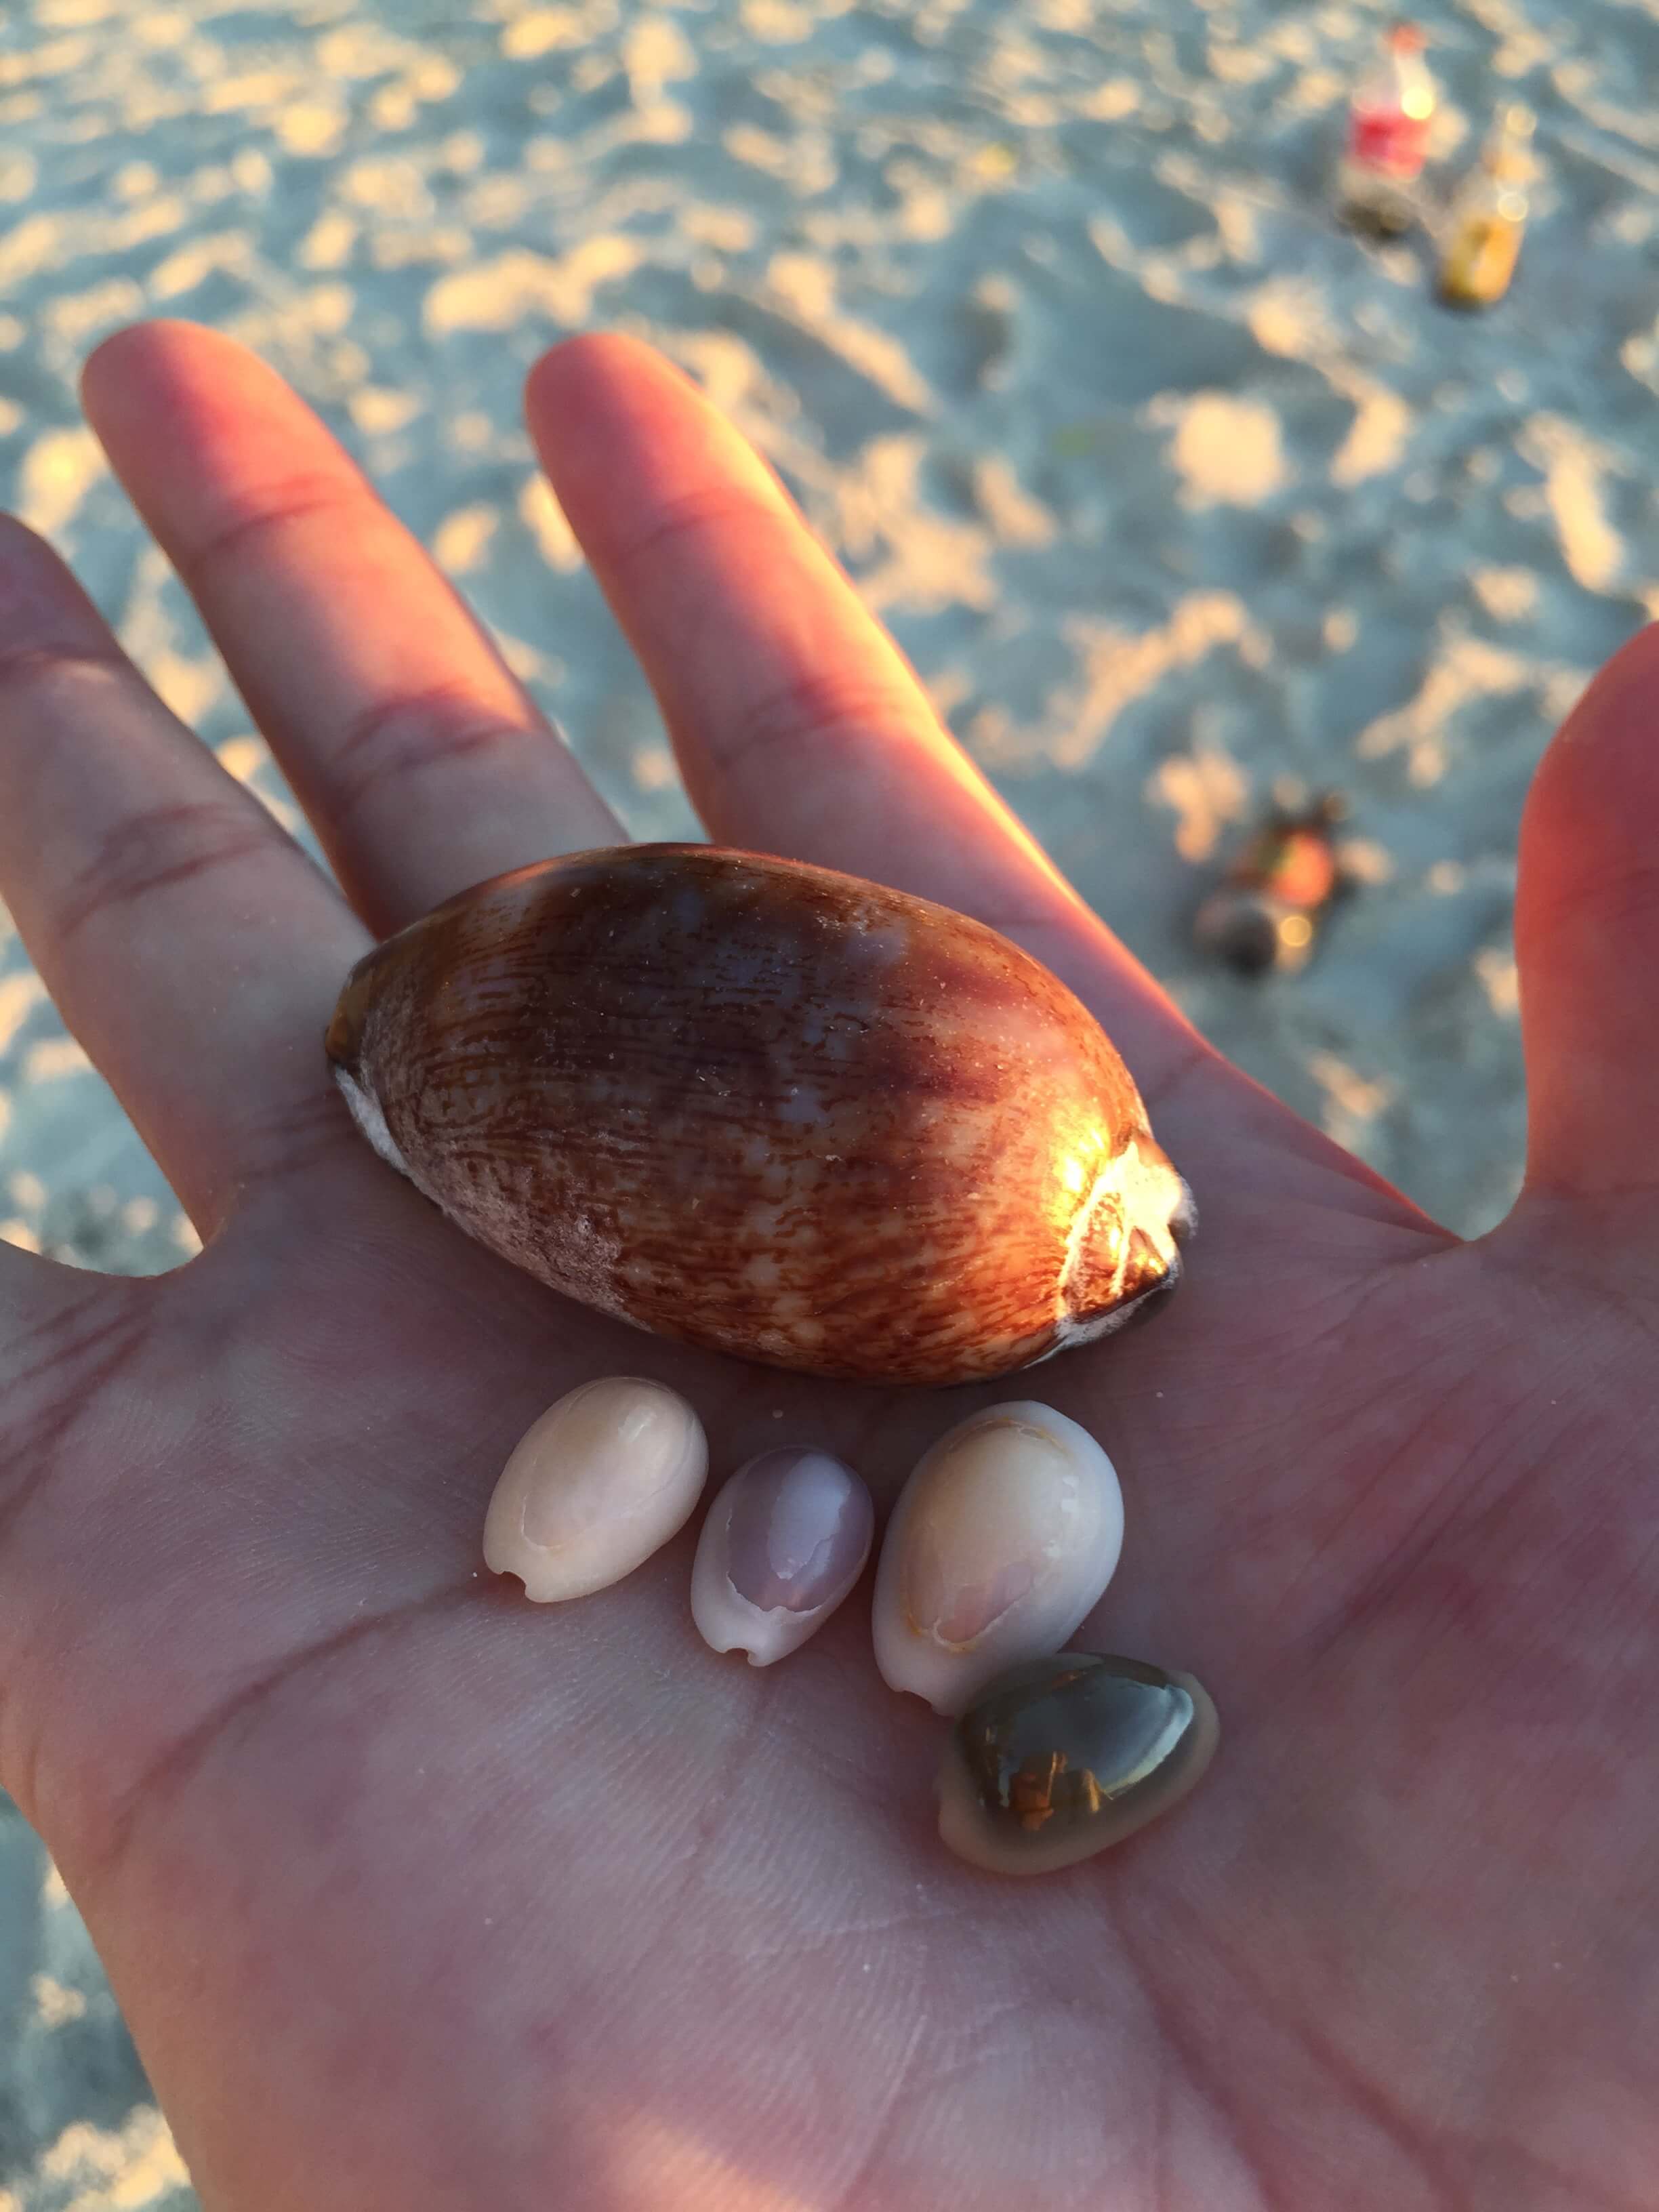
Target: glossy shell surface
<point>597,1484</point>
<point>1002,1542</point>
<point>783,1544</point>
<point>769,1109</point>
<point>1064,1757</point>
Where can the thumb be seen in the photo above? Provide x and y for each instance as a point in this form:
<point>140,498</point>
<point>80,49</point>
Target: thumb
<point>1586,939</point>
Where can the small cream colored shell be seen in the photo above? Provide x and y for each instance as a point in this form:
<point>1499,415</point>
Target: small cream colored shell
<point>601,1482</point>
<point>1002,1540</point>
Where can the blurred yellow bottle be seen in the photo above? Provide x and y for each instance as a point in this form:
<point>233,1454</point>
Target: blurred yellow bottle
<point>1488,216</point>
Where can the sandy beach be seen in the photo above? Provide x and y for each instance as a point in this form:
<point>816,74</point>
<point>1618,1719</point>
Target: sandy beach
<point>1176,495</point>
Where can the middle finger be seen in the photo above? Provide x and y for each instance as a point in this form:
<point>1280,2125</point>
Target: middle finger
<point>423,764</point>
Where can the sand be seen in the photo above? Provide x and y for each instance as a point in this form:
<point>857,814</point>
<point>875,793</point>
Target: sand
<point>1175,494</point>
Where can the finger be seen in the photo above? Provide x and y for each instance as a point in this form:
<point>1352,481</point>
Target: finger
<point>422,764</point>
<point>1587,938</point>
<point>190,944</point>
<point>800,726</point>
<point>803,731</point>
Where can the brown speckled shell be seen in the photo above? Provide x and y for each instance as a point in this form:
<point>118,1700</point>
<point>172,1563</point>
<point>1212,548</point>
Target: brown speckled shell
<point>771,1109</point>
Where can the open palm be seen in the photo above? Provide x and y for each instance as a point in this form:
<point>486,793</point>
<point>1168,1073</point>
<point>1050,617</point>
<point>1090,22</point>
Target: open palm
<point>416,1896</point>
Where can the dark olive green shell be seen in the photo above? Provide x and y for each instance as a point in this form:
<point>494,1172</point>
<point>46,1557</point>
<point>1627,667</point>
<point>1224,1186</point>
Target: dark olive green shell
<point>1062,1757</point>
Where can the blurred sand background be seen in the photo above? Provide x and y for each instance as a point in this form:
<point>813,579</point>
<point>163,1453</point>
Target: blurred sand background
<point>1172,491</point>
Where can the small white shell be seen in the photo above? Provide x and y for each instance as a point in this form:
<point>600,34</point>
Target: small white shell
<point>1002,1540</point>
<point>785,1540</point>
<point>601,1482</point>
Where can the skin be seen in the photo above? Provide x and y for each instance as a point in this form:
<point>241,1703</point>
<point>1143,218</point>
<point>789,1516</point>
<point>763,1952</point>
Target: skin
<point>418,1897</point>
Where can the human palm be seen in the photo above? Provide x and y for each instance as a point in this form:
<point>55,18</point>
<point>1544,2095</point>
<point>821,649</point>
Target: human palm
<point>417,1896</point>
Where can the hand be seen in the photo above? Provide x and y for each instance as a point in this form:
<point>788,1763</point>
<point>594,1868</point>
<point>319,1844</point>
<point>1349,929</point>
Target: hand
<point>417,1896</point>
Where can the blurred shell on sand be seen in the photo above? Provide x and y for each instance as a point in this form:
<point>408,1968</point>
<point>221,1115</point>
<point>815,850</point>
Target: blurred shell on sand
<point>1177,496</point>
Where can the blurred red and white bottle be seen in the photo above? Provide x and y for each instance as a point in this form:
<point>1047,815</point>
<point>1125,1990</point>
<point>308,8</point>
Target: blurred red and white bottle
<point>1388,118</point>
